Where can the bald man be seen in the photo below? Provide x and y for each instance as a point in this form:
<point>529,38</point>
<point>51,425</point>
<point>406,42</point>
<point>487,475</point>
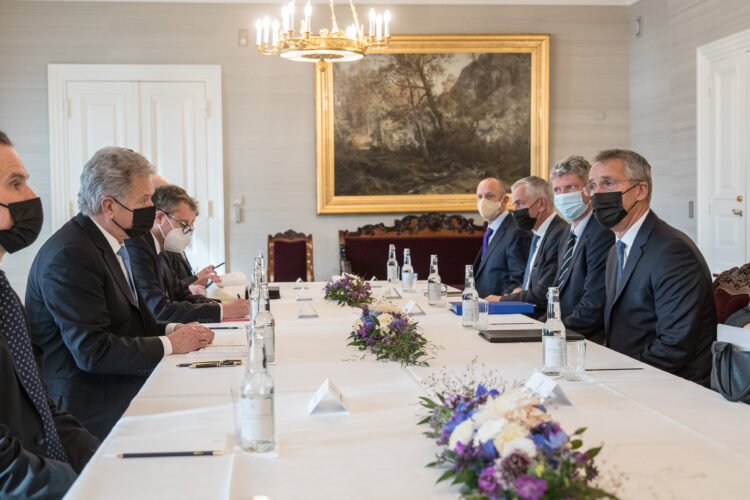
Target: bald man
<point>500,263</point>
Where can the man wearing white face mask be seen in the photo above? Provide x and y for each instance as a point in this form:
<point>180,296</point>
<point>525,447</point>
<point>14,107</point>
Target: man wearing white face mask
<point>168,297</point>
<point>582,256</point>
<point>500,263</point>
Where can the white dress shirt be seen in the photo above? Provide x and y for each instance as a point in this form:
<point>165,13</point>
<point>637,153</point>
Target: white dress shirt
<point>115,248</point>
<point>540,232</point>
<point>578,230</point>
<point>495,225</point>
<point>629,237</point>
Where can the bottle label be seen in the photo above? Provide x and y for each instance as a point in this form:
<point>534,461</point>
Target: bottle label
<point>554,352</point>
<point>407,277</point>
<point>434,292</point>
<point>392,273</point>
<point>257,419</point>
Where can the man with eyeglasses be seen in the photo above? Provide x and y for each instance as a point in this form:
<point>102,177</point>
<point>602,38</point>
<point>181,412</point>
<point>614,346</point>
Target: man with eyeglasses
<point>99,339</point>
<point>660,305</point>
<point>166,295</point>
<point>582,256</point>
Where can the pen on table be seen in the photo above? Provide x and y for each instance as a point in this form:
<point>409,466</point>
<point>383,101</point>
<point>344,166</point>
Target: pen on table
<point>613,369</point>
<point>211,364</point>
<point>225,328</point>
<point>214,453</point>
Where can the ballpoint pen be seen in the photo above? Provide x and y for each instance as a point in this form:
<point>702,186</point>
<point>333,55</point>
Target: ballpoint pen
<point>211,364</point>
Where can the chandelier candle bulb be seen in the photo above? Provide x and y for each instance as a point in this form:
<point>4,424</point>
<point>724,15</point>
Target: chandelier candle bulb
<point>266,30</point>
<point>387,23</point>
<point>258,32</point>
<point>379,27</point>
<point>372,22</point>
<point>275,30</point>
<point>285,18</point>
<point>290,10</point>
<point>308,15</point>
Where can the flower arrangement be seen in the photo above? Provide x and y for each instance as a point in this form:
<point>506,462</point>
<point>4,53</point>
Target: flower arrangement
<point>389,334</point>
<point>350,290</point>
<point>506,446</point>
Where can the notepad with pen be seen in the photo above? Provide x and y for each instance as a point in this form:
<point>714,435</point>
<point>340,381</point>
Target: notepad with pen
<point>509,307</point>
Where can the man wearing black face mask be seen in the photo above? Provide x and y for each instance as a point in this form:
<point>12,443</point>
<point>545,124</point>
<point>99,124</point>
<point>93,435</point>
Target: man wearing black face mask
<point>41,448</point>
<point>534,204</point>
<point>660,306</point>
<point>99,337</point>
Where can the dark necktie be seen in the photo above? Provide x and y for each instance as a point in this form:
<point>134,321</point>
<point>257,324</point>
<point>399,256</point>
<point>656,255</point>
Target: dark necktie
<point>486,239</point>
<point>534,242</point>
<point>13,324</point>
<point>567,260</point>
<point>123,253</point>
<point>620,262</point>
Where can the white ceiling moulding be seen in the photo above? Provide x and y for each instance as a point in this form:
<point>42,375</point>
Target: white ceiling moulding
<point>572,3</point>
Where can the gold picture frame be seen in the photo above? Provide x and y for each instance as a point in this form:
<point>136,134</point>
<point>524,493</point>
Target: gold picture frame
<point>330,203</point>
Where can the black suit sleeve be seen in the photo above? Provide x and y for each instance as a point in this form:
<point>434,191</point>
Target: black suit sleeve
<point>537,294</point>
<point>25,475</point>
<point>171,305</point>
<point>517,256</point>
<point>678,286</point>
<point>739,318</point>
<point>591,304</point>
<point>81,313</point>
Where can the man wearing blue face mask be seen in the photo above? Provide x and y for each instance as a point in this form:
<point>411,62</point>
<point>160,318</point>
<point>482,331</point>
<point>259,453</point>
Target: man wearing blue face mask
<point>660,305</point>
<point>166,295</point>
<point>582,256</point>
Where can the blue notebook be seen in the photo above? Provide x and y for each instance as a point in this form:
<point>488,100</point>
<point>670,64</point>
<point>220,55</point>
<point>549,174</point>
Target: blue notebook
<point>500,308</point>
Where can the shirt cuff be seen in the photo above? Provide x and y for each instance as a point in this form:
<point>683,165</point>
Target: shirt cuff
<point>167,345</point>
<point>170,328</point>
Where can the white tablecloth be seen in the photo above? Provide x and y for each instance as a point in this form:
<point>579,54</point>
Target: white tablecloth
<point>663,437</point>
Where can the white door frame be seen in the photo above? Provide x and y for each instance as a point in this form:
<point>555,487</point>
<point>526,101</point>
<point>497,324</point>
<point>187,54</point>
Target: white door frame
<point>738,43</point>
<point>59,74</point>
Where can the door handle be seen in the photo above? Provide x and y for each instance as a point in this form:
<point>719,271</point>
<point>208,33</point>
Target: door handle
<point>737,212</point>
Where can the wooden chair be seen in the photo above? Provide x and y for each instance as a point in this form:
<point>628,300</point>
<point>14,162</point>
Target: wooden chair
<point>290,256</point>
<point>731,291</point>
<point>455,239</point>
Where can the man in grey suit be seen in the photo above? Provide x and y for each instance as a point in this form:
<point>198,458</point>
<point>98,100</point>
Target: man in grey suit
<point>660,305</point>
<point>41,449</point>
<point>498,267</point>
<point>99,338</point>
<point>534,209</point>
<point>584,247</point>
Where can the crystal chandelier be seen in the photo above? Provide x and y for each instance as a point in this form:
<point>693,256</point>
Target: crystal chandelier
<point>274,38</point>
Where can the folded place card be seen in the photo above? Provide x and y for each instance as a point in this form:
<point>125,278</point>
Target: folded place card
<point>547,389</point>
<point>327,398</point>
<point>308,311</point>
<point>302,296</point>
<point>298,284</point>
<point>413,308</point>
<point>374,282</point>
<point>392,293</point>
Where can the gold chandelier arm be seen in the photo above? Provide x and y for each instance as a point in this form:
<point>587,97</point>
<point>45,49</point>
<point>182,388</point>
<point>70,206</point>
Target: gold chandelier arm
<point>354,12</point>
<point>333,17</point>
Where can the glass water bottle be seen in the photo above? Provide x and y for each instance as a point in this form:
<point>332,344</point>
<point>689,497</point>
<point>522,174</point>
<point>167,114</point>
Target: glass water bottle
<point>392,265</point>
<point>265,322</point>
<point>553,336</point>
<point>434,284</point>
<point>407,271</point>
<point>257,400</point>
<point>469,304</point>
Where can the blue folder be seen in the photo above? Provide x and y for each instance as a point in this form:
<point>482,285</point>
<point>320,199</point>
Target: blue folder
<point>500,308</point>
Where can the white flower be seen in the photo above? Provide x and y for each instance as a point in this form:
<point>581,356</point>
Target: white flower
<point>387,307</point>
<point>385,320</point>
<point>489,431</point>
<point>509,433</point>
<point>462,433</point>
<point>357,324</point>
<point>523,444</point>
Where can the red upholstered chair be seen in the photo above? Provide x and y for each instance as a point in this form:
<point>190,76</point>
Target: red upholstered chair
<point>455,239</point>
<point>290,256</point>
<point>731,291</point>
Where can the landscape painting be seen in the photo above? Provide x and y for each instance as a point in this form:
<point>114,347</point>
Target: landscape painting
<point>415,131</point>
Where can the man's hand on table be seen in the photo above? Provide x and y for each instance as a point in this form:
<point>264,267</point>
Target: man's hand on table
<point>189,337</point>
<point>240,308</point>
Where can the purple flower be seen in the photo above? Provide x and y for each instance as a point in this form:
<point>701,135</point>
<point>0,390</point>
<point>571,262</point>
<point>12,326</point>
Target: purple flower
<point>488,483</point>
<point>513,466</point>
<point>548,437</point>
<point>530,488</point>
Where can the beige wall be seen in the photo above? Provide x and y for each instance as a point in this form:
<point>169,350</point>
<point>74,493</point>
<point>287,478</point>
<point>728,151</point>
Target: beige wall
<point>663,92</point>
<point>269,139</point>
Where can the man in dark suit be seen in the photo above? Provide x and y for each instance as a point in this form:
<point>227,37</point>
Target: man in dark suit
<point>582,256</point>
<point>534,209</point>
<point>167,297</point>
<point>100,341</point>
<point>498,267</point>
<point>41,449</point>
<point>660,305</point>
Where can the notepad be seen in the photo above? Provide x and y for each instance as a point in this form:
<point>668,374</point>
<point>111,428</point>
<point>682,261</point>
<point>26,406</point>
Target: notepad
<point>229,350</point>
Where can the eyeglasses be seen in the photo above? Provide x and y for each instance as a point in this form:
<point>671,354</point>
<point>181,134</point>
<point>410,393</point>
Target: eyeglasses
<point>607,185</point>
<point>184,226</point>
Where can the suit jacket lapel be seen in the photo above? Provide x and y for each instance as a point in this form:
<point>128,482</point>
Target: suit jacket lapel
<point>492,245</point>
<point>109,256</point>
<point>635,253</point>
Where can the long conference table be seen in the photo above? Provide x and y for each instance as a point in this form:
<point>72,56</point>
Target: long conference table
<point>663,437</point>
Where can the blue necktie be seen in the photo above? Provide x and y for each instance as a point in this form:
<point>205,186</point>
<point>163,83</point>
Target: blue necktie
<point>620,262</point>
<point>13,324</point>
<point>534,242</point>
<point>486,239</point>
<point>123,253</point>
<point>567,258</point>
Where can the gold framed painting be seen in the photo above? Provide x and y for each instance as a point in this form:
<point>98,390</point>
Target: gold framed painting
<point>414,127</point>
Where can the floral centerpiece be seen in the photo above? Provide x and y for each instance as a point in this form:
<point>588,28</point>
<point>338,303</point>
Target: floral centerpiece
<point>350,290</point>
<point>506,446</point>
<point>390,334</point>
